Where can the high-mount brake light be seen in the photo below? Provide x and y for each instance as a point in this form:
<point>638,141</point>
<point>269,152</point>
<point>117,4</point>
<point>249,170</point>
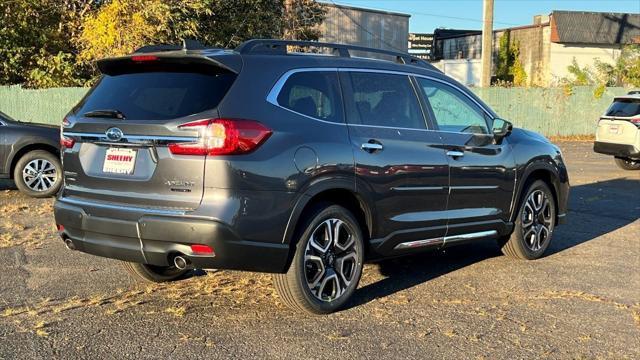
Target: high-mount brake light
<point>222,137</point>
<point>143,58</point>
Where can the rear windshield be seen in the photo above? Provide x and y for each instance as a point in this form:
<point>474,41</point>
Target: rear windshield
<point>624,108</point>
<point>157,95</point>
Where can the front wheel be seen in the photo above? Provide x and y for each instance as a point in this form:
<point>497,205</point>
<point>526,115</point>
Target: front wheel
<point>628,164</point>
<point>327,265</point>
<point>534,225</point>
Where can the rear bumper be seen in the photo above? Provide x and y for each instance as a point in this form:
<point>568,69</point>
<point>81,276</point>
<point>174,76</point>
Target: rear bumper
<point>155,239</point>
<point>618,150</point>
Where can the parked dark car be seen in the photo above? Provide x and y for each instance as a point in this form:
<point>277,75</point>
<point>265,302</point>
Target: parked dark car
<point>301,165</point>
<point>30,155</point>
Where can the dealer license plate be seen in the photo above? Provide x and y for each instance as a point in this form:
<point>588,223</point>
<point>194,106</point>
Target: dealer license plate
<point>119,161</point>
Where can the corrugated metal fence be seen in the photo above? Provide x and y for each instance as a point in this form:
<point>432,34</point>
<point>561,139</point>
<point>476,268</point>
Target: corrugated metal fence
<point>547,111</point>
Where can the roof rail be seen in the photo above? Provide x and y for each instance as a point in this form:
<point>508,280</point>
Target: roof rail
<point>187,44</point>
<point>279,47</point>
<point>634,92</point>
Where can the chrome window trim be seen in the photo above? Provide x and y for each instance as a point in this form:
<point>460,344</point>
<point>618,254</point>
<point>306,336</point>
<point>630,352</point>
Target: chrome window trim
<point>103,137</point>
<point>272,96</point>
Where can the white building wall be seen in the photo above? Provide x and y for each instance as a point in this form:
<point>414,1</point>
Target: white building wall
<point>466,71</point>
<point>562,55</point>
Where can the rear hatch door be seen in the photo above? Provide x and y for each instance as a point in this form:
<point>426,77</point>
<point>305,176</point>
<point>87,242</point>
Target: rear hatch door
<point>621,121</point>
<point>122,129</point>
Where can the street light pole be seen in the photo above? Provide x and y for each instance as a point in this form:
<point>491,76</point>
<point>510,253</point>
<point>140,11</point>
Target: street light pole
<point>487,42</point>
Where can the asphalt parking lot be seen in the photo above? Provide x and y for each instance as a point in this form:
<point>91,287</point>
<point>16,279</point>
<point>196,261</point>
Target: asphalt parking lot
<point>580,301</point>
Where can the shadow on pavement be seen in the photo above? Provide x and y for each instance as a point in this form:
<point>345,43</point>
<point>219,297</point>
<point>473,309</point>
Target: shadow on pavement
<point>594,210</point>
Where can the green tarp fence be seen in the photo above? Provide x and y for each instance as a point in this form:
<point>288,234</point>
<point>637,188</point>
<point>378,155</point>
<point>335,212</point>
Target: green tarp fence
<point>550,111</point>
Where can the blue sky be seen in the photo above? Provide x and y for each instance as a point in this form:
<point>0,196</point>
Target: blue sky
<point>427,15</point>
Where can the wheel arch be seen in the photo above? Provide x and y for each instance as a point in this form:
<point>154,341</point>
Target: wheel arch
<point>335,192</point>
<point>27,149</point>
<point>538,171</point>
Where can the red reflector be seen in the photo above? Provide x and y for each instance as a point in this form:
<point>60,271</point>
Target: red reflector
<point>141,58</point>
<point>66,142</point>
<point>60,227</point>
<point>222,137</point>
<point>201,249</point>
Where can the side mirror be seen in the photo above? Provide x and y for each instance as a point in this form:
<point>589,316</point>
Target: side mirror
<point>501,129</point>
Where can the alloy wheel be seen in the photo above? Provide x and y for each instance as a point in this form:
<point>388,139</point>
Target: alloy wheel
<point>330,260</point>
<point>39,175</point>
<point>537,220</point>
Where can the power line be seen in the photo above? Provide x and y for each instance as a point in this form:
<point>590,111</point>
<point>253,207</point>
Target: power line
<point>431,14</point>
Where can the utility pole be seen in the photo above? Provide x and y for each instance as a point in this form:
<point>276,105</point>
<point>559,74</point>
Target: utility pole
<point>487,42</point>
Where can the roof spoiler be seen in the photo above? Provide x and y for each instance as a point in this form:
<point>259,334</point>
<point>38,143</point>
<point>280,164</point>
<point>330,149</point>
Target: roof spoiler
<point>159,60</point>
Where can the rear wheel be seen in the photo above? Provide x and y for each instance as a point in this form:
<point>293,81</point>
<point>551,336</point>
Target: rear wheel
<point>534,224</point>
<point>38,174</point>
<point>152,273</point>
<point>327,265</point>
<point>628,164</point>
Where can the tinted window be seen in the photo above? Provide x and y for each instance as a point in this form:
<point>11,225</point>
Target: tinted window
<point>313,93</point>
<point>158,95</point>
<point>385,100</point>
<point>624,108</point>
<point>452,109</point>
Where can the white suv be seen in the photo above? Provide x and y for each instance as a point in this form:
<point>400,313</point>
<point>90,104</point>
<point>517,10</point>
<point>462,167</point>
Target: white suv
<point>618,132</point>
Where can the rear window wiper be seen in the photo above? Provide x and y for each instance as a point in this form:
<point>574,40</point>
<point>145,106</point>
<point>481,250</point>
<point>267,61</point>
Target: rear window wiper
<point>115,114</point>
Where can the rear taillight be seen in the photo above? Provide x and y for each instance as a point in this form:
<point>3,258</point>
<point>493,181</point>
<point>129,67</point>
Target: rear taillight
<point>222,137</point>
<point>635,121</point>
<point>65,142</point>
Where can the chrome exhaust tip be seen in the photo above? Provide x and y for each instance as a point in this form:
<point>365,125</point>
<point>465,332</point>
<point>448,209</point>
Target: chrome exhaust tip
<point>180,262</point>
<point>69,244</point>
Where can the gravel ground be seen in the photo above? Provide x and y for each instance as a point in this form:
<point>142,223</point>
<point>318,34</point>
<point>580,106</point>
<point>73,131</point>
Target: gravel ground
<point>580,301</point>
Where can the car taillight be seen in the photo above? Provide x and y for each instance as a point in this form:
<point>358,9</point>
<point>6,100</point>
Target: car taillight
<point>65,142</point>
<point>222,137</point>
<point>636,121</point>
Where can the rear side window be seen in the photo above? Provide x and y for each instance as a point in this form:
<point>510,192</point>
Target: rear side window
<point>385,100</point>
<point>158,95</point>
<point>624,108</point>
<point>313,93</point>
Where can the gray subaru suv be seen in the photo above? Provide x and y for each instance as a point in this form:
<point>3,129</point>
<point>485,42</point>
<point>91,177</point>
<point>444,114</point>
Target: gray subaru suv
<point>302,164</point>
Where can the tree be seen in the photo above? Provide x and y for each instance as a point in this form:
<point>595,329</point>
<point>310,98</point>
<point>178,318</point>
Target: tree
<point>624,72</point>
<point>48,43</point>
<point>509,68</point>
<point>36,34</point>
<point>121,26</point>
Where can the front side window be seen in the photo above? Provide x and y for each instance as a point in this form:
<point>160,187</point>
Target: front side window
<point>313,93</point>
<point>453,111</point>
<point>385,100</point>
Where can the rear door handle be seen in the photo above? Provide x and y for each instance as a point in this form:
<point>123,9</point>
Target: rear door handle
<point>371,147</point>
<point>455,154</point>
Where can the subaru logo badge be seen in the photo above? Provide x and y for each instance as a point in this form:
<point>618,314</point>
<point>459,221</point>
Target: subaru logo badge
<point>114,134</point>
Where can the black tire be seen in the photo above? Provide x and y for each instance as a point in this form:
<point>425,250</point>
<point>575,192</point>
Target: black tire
<point>294,288</point>
<point>530,218</point>
<point>155,274</point>
<point>33,166</point>
<point>628,164</point>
